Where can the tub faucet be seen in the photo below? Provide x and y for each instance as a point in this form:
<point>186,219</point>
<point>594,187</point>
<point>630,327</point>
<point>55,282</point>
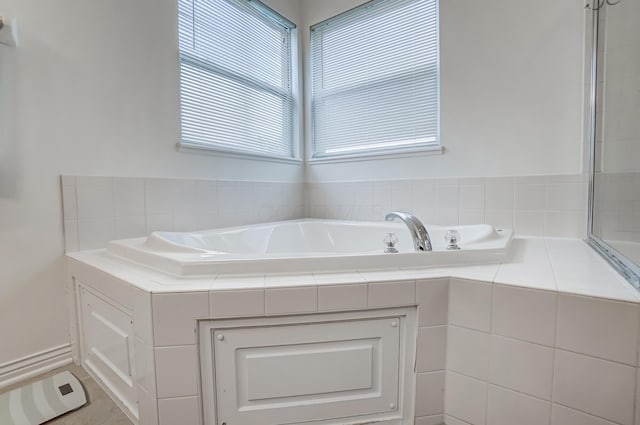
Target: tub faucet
<point>421,239</point>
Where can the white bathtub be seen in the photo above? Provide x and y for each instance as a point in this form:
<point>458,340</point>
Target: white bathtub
<point>307,245</point>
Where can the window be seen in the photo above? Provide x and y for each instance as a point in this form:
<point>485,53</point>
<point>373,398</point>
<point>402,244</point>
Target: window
<point>375,79</point>
<point>236,72</point>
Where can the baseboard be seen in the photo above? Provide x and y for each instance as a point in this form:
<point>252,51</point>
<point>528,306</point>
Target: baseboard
<point>36,364</point>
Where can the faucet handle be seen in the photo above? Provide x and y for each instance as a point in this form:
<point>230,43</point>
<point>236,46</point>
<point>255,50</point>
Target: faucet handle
<point>390,240</point>
<point>452,237</point>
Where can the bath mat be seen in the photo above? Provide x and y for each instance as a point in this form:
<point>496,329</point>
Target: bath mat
<point>41,401</point>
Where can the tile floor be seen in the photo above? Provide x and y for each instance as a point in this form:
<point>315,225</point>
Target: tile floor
<point>99,410</point>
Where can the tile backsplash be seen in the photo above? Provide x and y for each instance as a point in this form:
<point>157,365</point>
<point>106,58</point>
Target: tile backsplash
<point>531,205</point>
<point>99,209</point>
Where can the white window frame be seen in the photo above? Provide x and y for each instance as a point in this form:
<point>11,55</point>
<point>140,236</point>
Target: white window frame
<point>435,148</point>
<point>295,142</point>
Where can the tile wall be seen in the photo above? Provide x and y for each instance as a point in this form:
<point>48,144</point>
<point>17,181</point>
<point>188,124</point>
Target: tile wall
<point>616,215</point>
<point>532,205</point>
<point>487,354</point>
<point>100,209</point>
<point>535,357</point>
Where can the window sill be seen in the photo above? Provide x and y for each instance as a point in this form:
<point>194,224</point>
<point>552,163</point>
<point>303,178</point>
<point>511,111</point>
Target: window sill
<point>194,148</point>
<point>426,151</point>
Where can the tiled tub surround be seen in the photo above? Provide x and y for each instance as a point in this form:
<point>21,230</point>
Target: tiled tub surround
<point>100,209</point>
<point>530,205</point>
<point>548,337</point>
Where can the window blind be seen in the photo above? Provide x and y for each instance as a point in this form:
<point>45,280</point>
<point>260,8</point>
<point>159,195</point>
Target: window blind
<point>235,77</point>
<point>375,82</point>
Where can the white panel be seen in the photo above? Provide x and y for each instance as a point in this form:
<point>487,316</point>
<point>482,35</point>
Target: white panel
<point>307,372</point>
<point>108,346</point>
<point>265,381</point>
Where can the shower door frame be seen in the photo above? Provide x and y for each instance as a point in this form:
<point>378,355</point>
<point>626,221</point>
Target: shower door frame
<point>627,268</point>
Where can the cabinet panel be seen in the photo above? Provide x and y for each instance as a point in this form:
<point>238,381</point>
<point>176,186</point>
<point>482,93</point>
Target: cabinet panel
<point>108,346</point>
<point>305,372</point>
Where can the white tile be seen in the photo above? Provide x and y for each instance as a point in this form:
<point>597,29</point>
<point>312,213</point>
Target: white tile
<point>291,300</point>
<point>499,193</point>
<point>237,282</point>
<point>570,224</point>
<point>530,196</point>
<point>157,195</point>
<point>506,407</point>
<point>207,195</point>
<point>177,371</point>
<point>94,196</point>
<point>128,196</point>
<point>446,216</point>
<point>447,196</point>
<point>183,411</point>
<point>432,297</point>
<point>472,197</point>
<point>184,196</point>
<point>562,197</point>
<point>478,273</point>
<point>527,265</point>
<point>129,227</point>
<point>522,366</point>
<point>502,219</point>
<point>229,303</point>
<point>595,386</point>
<point>529,223</point>
<point>431,348</point>
<point>278,281</point>
<point>468,352</point>
<point>423,194</point>
<point>430,393</point>
<point>158,222</point>
<point>465,398</point>
<point>342,297</point>
<point>471,217</point>
<point>561,415</point>
<point>69,206</point>
<point>470,304</point>
<point>174,317</point>
<point>597,327</point>
<point>580,270</point>
<point>525,314</point>
<point>338,278</point>
<point>94,233</point>
<point>389,294</point>
<point>401,195</point>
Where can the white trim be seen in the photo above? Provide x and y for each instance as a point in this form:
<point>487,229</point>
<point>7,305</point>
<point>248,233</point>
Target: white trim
<point>35,364</point>
<point>392,154</point>
<point>197,148</point>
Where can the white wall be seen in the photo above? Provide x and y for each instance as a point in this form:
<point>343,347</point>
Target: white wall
<point>511,92</point>
<point>91,90</point>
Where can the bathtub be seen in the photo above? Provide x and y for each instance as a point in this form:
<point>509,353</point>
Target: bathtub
<point>307,245</point>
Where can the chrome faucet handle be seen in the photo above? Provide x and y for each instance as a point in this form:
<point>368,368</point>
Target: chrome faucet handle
<point>452,237</point>
<point>390,240</point>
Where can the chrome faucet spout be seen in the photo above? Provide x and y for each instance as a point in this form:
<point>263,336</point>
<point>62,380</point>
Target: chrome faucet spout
<point>421,238</point>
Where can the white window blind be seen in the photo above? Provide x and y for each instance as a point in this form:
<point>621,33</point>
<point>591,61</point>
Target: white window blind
<point>375,79</point>
<point>236,78</point>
